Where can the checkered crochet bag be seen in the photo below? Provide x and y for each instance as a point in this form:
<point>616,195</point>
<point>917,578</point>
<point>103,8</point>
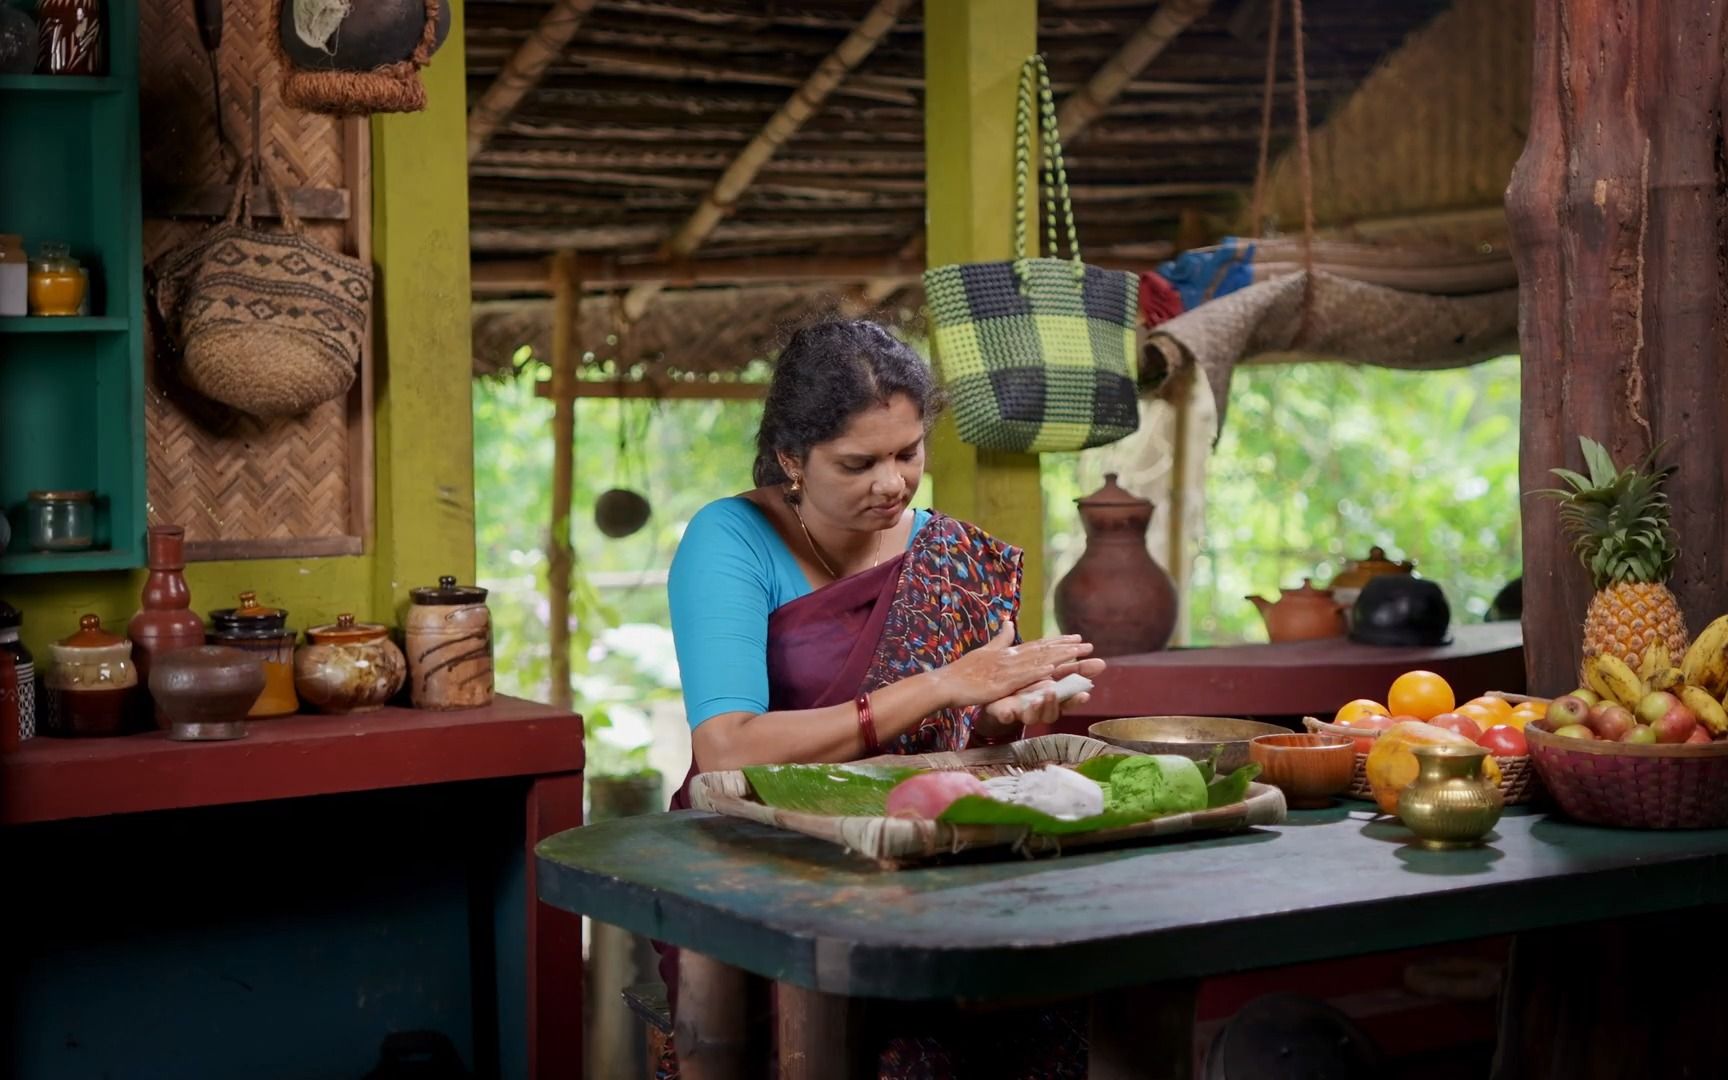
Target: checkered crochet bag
<point>1037,354</point>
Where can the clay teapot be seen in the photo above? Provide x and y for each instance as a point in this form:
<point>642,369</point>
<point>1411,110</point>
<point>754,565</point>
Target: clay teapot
<point>1301,614</point>
<point>1117,596</point>
<point>1359,572</point>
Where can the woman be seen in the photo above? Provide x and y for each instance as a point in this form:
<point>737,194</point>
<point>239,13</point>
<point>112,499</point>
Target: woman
<point>819,617</point>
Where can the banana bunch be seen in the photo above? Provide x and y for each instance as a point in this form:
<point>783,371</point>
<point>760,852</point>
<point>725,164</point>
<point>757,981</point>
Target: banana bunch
<point>1699,682</point>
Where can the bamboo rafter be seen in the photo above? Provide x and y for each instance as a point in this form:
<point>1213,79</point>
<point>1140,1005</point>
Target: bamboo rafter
<point>523,70</point>
<point>803,104</point>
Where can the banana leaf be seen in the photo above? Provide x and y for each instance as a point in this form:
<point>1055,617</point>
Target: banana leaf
<point>1232,789</point>
<point>836,790</point>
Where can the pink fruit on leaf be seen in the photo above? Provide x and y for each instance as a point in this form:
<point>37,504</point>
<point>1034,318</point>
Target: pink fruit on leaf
<point>925,795</point>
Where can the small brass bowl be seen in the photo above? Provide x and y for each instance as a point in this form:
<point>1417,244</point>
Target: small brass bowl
<point>1190,736</point>
<point>1309,769</point>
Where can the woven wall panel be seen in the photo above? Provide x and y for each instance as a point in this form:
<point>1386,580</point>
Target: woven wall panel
<point>240,486</point>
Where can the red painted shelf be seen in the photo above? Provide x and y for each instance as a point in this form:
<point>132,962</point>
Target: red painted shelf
<point>56,779</point>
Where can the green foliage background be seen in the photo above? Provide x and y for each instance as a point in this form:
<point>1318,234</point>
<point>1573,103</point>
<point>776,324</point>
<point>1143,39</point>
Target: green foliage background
<point>1317,463</point>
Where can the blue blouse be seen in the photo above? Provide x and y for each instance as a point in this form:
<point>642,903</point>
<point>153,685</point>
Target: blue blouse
<point>731,571</point>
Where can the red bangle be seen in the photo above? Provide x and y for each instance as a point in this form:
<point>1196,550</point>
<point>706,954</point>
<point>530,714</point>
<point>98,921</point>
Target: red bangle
<point>867,725</point>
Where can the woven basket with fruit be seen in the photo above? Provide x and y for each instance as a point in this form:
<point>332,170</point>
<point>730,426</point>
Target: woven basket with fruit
<point>1641,743</point>
<point>1423,709</point>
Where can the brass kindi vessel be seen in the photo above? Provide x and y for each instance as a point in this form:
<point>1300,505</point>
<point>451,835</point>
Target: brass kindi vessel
<point>1451,804</point>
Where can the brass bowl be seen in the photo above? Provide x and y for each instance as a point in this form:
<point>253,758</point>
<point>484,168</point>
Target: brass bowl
<point>1190,736</point>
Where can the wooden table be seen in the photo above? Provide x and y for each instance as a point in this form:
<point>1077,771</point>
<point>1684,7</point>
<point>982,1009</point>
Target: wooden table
<point>393,750</point>
<point>1300,678</point>
<point>1132,929</point>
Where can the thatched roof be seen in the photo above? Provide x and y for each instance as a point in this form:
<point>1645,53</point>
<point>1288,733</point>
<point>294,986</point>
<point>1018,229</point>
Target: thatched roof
<point>618,143</point>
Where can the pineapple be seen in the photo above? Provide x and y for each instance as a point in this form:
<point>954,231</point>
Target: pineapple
<point>1619,524</point>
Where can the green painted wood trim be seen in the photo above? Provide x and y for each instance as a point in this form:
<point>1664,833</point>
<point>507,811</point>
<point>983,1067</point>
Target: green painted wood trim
<point>973,50</point>
<point>424,418</point>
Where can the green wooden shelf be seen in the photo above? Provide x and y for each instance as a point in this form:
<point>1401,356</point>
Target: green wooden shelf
<point>65,324</point>
<point>59,562</point>
<point>62,84</point>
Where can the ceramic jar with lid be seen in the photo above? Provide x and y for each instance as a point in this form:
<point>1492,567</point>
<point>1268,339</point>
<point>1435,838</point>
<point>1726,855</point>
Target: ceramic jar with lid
<point>18,686</point>
<point>1359,572</point>
<point>165,622</point>
<point>1117,596</point>
<point>449,637</point>
<point>89,680</point>
<point>348,667</point>
<point>264,632</point>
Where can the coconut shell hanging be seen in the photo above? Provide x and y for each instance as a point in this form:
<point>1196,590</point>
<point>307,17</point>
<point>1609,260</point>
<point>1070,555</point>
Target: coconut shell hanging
<point>620,512</point>
<point>349,58</point>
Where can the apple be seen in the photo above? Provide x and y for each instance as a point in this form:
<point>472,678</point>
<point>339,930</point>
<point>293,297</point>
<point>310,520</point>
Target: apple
<point>1566,710</point>
<point>1575,731</point>
<point>1460,723</point>
<point>1372,722</point>
<point>1700,734</point>
<point>1640,733</point>
<point>1504,740</point>
<point>1652,705</point>
<point>1610,721</point>
<point>1586,695</point>
<point>1676,725</point>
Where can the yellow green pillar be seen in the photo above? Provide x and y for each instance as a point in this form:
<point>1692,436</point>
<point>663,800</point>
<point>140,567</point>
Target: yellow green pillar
<point>973,50</point>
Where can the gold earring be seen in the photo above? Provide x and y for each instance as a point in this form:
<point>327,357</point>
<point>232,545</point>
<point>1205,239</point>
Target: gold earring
<point>796,482</point>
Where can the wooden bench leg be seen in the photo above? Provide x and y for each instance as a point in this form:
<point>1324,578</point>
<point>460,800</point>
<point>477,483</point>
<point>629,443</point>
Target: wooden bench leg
<point>1143,1033</point>
<point>711,1025</point>
<point>821,1036</point>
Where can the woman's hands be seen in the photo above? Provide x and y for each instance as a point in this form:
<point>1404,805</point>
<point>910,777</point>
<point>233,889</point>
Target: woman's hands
<point>1001,668</point>
<point>1015,710</point>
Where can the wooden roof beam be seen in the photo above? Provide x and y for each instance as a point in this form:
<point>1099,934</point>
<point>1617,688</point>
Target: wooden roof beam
<point>802,105</point>
<point>533,275</point>
<point>524,70</point>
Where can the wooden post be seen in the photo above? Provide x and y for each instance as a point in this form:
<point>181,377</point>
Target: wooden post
<point>1618,214</point>
<point>560,553</point>
<point>711,1025</point>
<point>820,1036</point>
<point>1143,1031</point>
<point>973,50</point>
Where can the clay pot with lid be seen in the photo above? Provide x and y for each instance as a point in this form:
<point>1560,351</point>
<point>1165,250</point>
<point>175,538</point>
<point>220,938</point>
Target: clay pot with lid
<point>263,632</point>
<point>348,667</point>
<point>449,637</point>
<point>1117,596</point>
<point>205,693</point>
<point>1359,572</point>
<point>1303,614</point>
<point>90,681</point>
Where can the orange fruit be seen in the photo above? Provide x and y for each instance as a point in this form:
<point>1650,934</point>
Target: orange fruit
<point>1359,708</point>
<point>1421,694</point>
<point>1525,713</point>
<point>1498,706</point>
<point>1485,717</point>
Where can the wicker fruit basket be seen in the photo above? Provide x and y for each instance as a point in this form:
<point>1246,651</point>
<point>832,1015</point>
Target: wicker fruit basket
<point>1519,784</point>
<point>1672,786</point>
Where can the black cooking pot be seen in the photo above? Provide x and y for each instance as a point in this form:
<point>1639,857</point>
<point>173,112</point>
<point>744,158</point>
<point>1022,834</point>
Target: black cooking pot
<point>1399,609</point>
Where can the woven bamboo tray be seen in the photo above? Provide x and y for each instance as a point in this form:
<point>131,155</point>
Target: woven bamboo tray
<point>1519,782</point>
<point>897,842</point>
<point>1672,786</point>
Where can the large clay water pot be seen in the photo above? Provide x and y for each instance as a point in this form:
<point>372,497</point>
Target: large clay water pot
<point>1117,596</point>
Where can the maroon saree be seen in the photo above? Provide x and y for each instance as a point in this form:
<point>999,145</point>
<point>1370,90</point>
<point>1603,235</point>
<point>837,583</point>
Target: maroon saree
<point>947,594</point>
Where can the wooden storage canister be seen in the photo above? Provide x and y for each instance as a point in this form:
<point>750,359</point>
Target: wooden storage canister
<point>264,632</point>
<point>449,636</point>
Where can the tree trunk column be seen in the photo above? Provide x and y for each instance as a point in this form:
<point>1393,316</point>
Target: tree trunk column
<point>1619,214</point>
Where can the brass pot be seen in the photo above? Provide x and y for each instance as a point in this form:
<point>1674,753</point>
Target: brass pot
<point>1450,804</point>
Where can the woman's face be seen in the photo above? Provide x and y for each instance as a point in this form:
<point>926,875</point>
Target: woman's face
<point>864,477</point>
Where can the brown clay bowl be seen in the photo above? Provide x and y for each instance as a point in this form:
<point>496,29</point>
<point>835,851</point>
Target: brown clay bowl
<point>1190,736</point>
<point>209,688</point>
<point>1309,769</point>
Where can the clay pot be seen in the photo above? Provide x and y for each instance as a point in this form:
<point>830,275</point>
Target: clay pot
<point>165,622</point>
<point>1117,596</point>
<point>371,35</point>
<point>206,692</point>
<point>1301,614</point>
<point>449,636</point>
<point>1359,572</point>
<point>90,681</point>
<point>348,667</point>
<point>264,632</point>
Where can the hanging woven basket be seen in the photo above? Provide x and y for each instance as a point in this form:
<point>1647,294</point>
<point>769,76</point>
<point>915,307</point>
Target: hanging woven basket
<point>349,58</point>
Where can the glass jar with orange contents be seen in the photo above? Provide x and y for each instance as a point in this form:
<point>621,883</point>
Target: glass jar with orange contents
<point>264,632</point>
<point>58,285</point>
